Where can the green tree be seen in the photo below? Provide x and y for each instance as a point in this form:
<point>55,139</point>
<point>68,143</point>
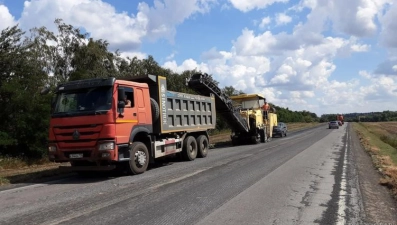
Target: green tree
<point>93,60</point>
<point>24,115</point>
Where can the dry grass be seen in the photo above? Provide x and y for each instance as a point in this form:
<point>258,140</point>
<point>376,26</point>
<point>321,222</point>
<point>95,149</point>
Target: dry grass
<point>15,170</point>
<point>379,139</point>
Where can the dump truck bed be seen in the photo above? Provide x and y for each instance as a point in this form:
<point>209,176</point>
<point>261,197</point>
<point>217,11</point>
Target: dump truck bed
<point>187,112</point>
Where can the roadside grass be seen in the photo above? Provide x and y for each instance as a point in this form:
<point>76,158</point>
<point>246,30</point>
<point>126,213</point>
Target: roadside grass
<point>379,140</point>
<point>17,162</point>
<point>18,170</point>
<point>299,126</point>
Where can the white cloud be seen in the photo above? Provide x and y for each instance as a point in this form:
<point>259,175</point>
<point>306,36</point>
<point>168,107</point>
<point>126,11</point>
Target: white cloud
<point>188,64</point>
<point>353,17</point>
<point>282,19</point>
<point>7,20</point>
<point>249,44</point>
<point>264,22</point>
<point>245,6</point>
<point>292,69</point>
<point>295,70</point>
<point>139,55</point>
<point>360,48</point>
<point>165,15</point>
<point>389,27</point>
<point>100,19</point>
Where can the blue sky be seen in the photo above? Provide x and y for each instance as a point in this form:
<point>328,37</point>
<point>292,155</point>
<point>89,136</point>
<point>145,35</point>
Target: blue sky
<point>318,55</point>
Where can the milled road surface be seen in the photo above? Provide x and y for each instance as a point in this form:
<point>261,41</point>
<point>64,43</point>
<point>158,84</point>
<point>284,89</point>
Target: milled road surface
<point>308,177</point>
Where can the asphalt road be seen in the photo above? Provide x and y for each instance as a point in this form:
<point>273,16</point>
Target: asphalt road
<point>308,177</point>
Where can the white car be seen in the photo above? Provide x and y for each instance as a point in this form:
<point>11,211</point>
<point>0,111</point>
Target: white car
<point>333,125</point>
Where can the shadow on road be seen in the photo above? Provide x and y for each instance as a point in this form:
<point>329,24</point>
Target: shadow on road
<point>60,176</point>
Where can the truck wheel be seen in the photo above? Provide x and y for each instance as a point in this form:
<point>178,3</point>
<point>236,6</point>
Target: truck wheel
<point>155,110</point>
<point>255,139</point>
<point>235,142</point>
<point>202,144</point>
<point>189,148</point>
<point>139,158</point>
<point>262,134</point>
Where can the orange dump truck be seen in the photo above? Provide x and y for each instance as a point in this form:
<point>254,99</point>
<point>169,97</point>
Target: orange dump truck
<point>339,117</point>
<point>99,124</point>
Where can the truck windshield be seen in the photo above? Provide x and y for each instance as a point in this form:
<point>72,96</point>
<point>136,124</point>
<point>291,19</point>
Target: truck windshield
<point>83,100</point>
<point>248,104</point>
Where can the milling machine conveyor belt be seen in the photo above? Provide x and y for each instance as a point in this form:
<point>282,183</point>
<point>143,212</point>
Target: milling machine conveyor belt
<point>204,85</point>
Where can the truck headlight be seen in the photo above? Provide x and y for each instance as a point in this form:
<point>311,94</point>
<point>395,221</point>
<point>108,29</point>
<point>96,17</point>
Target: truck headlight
<point>52,148</point>
<point>106,146</point>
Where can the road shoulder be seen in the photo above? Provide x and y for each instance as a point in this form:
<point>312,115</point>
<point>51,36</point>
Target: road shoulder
<point>379,206</point>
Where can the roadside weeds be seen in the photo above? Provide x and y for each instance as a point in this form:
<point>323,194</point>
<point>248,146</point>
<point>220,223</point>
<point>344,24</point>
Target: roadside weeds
<point>384,155</point>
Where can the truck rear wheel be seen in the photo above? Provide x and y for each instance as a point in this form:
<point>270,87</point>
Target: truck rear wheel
<point>189,148</point>
<point>139,158</point>
<point>262,133</point>
<point>235,142</point>
<point>255,139</point>
<point>202,144</point>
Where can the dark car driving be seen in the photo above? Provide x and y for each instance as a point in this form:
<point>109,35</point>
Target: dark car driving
<point>280,130</point>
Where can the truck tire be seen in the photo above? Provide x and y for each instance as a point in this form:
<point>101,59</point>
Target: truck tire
<point>189,151</point>
<point>263,135</point>
<point>235,142</point>
<point>202,146</point>
<point>155,109</point>
<point>255,139</point>
<point>139,158</point>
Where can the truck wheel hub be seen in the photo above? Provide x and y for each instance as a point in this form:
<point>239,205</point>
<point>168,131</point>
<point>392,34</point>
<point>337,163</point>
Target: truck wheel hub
<point>140,158</point>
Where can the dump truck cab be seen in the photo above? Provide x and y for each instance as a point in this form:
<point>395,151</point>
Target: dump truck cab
<point>90,122</point>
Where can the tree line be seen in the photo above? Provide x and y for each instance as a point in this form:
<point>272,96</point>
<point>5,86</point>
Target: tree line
<point>40,58</point>
<point>363,117</point>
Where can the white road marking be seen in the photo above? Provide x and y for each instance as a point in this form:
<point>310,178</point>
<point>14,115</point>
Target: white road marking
<point>342,204</point>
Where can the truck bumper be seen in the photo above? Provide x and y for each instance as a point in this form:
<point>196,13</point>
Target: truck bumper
<point>84,155</point>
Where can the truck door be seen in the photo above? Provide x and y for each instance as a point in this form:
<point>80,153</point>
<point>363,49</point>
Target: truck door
<point>125,123</point>
<point>141,107</point>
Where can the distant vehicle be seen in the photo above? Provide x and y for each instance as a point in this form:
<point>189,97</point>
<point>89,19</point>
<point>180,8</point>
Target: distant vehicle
<point>280,130</point>
<point>340,118</point>
<point>333,125</point>
<point>340,123</point>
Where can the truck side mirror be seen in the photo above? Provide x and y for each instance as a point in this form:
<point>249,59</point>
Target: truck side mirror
<point>121,94</point>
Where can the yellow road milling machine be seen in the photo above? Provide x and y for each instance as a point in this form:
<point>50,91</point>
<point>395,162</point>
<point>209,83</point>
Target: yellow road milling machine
<point>243,113</point>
